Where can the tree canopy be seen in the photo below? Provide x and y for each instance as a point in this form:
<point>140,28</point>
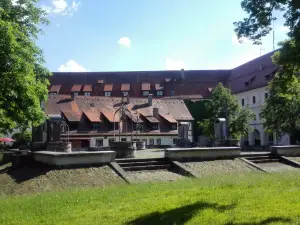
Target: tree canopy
<point>281,111</point>
<point>23,77</point>
<point>223,104</point>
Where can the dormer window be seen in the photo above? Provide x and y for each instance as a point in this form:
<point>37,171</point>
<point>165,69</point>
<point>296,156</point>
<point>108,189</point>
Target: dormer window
<point>146,93</point>
<point>249,81</point>
<point>261,68</point>
<point>159,89</point>
<point>107,93</point>
<point>54,90</point>
<point>125,88</point>
<point>174,126</point>
<point>145,88</point>
<point>160,93</point>
<point>108,89</point>
<point>155,126</point>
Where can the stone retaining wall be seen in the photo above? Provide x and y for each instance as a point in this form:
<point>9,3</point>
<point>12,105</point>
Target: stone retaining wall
<point>74,158</point>
<point>286,150</point>
<point>202,153</point>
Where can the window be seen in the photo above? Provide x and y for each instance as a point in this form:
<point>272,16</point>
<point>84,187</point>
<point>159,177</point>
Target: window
<point>125,93</point>
<point>145,140</point>
<point>158,141</point>
<point>99,142</point>
<point>110,140</point>
<point>53,93</point>
<point>96,126</point>
<point>116,126</point>
<point>155,126</point>
<point>159,93</point>
<point>253,100</point>
<point>107,93</point>
<point>174,126</point>
<point>87,93</point>
<point>151,141</point>
<point>266,95</point>
<point>254,117</point>
<point>174,141</point>
<point>145,93</point>
<point>243,102</point>
<point>75,93</point>
<point>123,139</point>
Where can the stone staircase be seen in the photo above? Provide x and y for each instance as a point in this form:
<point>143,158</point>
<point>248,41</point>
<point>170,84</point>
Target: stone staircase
<point>144,164</point>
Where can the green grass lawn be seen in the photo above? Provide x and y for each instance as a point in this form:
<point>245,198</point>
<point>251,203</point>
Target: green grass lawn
<point>256,199</point>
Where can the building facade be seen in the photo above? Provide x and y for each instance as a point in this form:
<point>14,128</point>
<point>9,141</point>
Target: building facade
<point>94,121</point>
<point>248,82</point>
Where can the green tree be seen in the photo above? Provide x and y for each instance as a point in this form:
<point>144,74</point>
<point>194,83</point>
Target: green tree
<point>199,112</point>
<point>23,78</point>
<point>224,104</point>
<point>281,112</point>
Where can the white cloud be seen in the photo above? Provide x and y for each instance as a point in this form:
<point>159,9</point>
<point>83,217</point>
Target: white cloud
<point>59,6</point>
<point>236,41</point>
<point>171,64</point>
<point>284,29</point>
<point>71,66</point>
<point>62,7</point>
<point>125,41</point>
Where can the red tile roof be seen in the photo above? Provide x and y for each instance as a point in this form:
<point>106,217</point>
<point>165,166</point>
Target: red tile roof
<point>111,116</point>
<point>76,88</point>
<point>88,88</point>
<point>55,88</point>
<point>92,114</point>
<point>169,118</point>
<point>72,116</point>
<point>125,87</point>
<point>108,87</point>
<point>145,87</point>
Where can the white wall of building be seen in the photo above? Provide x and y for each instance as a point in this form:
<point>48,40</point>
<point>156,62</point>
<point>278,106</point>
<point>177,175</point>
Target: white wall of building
<point>257,123</point>
<point>164,140</point>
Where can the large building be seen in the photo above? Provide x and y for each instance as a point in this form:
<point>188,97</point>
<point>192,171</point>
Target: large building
<point>104,89</point>
<point>94,120</point>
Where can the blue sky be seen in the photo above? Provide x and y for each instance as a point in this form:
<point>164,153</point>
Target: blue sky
<point>120,35</point>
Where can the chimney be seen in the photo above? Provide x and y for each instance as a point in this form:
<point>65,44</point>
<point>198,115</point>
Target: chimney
<point>182,74</point>
<point>155,112</point>
<point>150,96</point>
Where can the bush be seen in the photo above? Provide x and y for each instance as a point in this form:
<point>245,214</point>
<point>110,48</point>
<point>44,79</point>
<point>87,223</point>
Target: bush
<point>22,138</point>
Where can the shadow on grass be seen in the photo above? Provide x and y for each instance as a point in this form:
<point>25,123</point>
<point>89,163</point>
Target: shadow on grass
<point>179,215</point>
<point>264,222</point>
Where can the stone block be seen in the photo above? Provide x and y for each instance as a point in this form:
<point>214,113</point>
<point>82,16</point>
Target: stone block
<point>74,158</point>
<point>202,153</point>
<point>286,150</point>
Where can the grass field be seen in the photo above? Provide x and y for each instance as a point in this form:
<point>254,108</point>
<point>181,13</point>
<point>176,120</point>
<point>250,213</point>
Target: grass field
<point>256,199</point>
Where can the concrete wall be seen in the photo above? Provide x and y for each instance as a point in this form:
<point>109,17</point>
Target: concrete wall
<point>74,158</point>
<point>202,153</point>
<point>288,150</point>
